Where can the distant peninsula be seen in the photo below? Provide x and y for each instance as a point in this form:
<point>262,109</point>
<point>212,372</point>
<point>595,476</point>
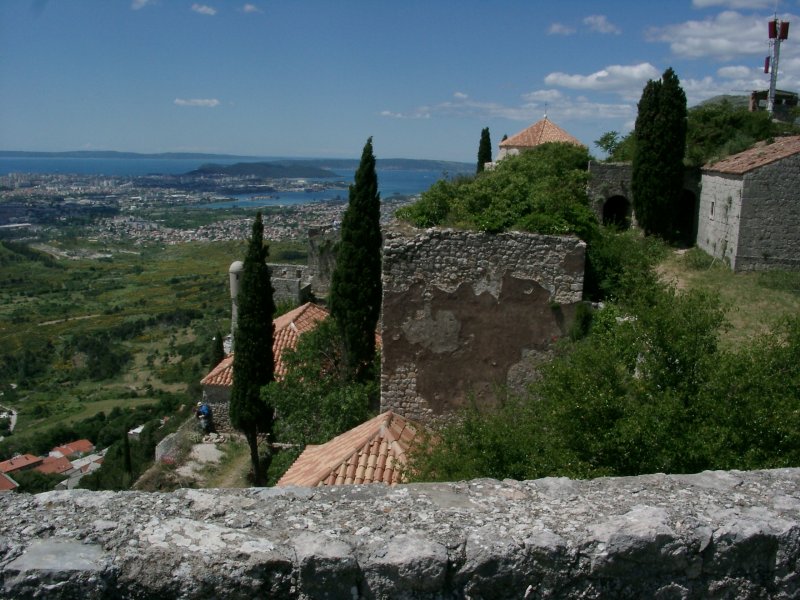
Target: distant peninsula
<point>265,170</point>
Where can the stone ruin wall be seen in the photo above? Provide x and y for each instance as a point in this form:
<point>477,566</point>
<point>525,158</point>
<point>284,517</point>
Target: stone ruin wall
<point>465,312</point>
<point>718,535</point>
<point>321,258</point>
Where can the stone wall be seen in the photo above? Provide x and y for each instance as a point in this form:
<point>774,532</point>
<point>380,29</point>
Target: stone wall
<point>719,215</point>
<point>607,180</point>
<point>290,283</point>
<point>710,535</point>
<point>218,397</point>
<point>321,258</point>
<point>769,229</point>
<point>465,312</point>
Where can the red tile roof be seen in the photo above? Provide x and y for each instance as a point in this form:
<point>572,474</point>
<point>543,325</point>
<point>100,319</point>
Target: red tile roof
<point>759,155</point>
<point>288,328</point>
<point>7,484</point>
<point>373,452</point>
<point>22,461</point>
<point>540,132</point>
<point>54,464</point>
<point>77,447</point>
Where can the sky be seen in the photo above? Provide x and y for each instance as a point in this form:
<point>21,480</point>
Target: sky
<point>316,78</point>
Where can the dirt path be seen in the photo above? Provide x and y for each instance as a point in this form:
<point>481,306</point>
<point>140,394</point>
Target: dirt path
<point>69,319</point>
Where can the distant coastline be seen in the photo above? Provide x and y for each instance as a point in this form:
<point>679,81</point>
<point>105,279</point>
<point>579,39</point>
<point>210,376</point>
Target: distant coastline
<point>405,164</point>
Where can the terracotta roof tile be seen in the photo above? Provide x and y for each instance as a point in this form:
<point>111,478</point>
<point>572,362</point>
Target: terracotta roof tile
<point>22,461</point>
<point>7,484</point>
<point>373,452</point>
<point>54,464</point>
<point>288,329</point>
<point>759,155</point>
<point>77,447</point>
<point>541,132</point>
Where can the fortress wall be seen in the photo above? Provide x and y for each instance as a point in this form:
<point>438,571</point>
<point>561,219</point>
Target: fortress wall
<point>710,535</point>
<point>466,312</point>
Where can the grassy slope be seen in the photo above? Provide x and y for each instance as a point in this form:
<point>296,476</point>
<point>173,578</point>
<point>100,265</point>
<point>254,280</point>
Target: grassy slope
<point>755,300</point>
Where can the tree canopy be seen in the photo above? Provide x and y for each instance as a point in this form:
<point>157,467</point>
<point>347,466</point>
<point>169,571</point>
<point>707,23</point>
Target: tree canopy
<point>253,364</point>
<point>356,292</point>
<point>657,170</point>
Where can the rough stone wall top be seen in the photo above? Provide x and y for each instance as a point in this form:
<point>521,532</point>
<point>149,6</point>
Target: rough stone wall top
<point>710,535</point>
<point>444,258</point>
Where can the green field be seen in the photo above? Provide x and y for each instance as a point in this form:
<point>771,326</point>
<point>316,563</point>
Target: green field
<point>78,337</point>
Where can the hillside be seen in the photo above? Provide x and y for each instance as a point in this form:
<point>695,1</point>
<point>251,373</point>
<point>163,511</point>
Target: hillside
<point>265,170</point>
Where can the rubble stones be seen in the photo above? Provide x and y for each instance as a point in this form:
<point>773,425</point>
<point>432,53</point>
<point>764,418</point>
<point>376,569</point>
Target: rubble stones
<point>713,534</point>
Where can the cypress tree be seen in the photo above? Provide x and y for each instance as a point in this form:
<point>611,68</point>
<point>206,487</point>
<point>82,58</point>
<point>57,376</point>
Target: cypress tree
<point>356,291</point>
<point>217,350</point>
<point>660,134</point>
<point>484,150</point>
<point>253,365</point>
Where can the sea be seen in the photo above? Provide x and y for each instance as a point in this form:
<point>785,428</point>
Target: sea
<point>391,182</point>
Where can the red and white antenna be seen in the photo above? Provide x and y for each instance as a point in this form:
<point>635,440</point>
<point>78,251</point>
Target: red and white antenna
<point>778,31</point>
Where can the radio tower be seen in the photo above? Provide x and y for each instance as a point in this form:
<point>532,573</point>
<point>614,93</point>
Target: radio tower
<point>778,31</point>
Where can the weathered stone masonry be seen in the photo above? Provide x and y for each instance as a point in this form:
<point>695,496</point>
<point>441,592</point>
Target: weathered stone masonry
<point>710,535</point>
<point>464,311</point>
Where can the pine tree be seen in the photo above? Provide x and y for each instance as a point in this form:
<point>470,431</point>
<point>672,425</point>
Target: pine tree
<point>253,365</point>
<point>356,291</point>
<point>484,150</point>
<point>660,133</point>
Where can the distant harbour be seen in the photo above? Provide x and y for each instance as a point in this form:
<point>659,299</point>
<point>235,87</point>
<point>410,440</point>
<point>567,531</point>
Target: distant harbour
<point>392,182</point>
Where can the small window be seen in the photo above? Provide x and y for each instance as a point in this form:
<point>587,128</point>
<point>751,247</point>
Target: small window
<point>712,209</point>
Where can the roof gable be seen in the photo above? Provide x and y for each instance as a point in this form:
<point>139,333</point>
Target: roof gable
<point>541,132</point>
<point>373,452</point>
<point>758,156</point>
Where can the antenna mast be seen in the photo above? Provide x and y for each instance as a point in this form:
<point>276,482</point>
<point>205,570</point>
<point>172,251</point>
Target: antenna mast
<point>778,31</point>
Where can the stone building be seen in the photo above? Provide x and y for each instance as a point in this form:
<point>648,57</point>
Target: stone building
<point>466,312</point>
<point>289,327</point>
<point>749,213</point>
<point>541,132</point>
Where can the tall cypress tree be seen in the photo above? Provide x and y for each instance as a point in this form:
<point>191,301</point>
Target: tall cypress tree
<point>356,291</point>
<point>484,150</point>
<point>253,365</point>
<point>660,133</point>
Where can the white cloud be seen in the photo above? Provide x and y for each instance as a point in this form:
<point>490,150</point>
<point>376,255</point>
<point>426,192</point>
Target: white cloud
<point>734,4</point>
<point>723,36</point>
<point>138,4</point>
<point>560,29</point>
<point>204,9</point>
<point>531,109</point>
<point>734,72</point>
<point>543,96</point>
<point>601,24</point>
<point>460,96</point>
<point>251,8</point>
<point>627,81</point>
<point>203,102</point>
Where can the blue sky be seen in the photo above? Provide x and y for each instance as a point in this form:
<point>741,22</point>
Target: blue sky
<point>315,78</point>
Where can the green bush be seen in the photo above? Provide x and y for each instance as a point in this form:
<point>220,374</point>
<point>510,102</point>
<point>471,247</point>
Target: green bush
<point>542,190</point>
<point>648,390</point>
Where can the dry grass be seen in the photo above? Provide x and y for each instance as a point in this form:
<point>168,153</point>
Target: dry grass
<point>754,300</point>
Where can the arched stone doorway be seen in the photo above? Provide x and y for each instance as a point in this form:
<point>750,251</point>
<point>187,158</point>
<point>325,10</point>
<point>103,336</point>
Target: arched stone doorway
<point>617,212</point>
<point>686,219</point>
